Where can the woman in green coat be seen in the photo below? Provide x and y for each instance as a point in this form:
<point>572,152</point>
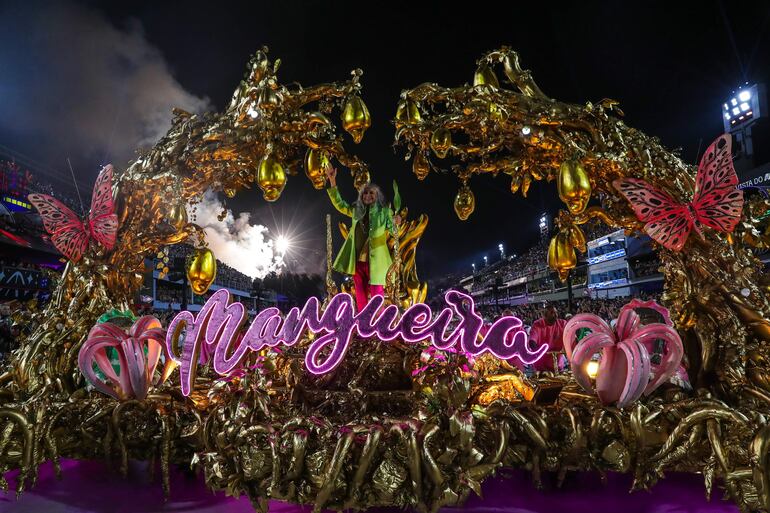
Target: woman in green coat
<point>364,254</point>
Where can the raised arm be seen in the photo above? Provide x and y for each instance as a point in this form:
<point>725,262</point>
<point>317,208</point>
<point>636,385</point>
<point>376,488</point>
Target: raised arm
<point>334,193</point>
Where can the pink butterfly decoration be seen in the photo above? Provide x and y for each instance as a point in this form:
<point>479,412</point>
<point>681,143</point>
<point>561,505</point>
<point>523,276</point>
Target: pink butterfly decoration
<point>717,202</point>
<point>69,234</point>
<point>625,370</point>
<point>136,367</point>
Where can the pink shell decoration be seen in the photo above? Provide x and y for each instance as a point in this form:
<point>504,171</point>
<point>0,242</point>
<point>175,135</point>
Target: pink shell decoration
<point>136,368</point>
<point>625,370</point>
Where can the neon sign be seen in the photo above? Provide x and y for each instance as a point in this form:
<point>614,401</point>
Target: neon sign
<point>215,333</point>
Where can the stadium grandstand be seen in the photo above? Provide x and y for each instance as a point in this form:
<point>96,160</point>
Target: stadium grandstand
<point>30,264</point>
<point>614,266</point>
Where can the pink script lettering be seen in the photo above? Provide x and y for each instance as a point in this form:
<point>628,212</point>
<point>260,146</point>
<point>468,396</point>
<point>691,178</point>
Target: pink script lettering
<point>214,334</point>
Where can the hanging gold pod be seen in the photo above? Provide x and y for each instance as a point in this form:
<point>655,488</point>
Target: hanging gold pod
<point>229,192</point>
<point>441,141</point>
<point>355,118</point>
<point>515,182</point>
<point>177,215</point>
<point>577,238</point>
<point>465,202</point>
<point>485,76</point>
<point>561,255</point>
<point>316,163</point>
<point>202,270</point>
<point>421,168</point>
<point>574,186</point>
<point>407,112</point>
<point>271,177</point>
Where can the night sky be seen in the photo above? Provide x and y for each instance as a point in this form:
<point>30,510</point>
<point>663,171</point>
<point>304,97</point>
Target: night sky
<point>670,64</point>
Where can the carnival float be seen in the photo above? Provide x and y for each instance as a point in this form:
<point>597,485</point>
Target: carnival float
<point>397,405</point>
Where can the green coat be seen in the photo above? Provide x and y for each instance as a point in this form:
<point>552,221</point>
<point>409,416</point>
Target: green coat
<point>380,220</point>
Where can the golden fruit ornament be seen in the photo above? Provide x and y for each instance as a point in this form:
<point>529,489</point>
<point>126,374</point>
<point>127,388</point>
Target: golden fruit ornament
<point>574,186</point>
<point>229,192</point>
<point>561,255</point>
<point>421,168</point>
<point>316,163</point>
<point>407,112</point>
<point>271,177</point>
<point>465,202</point>
<point>441,141</point>
<point>485,76</point>
<point>577,238</point>
<point>177,215</point>
<point>202,270</point>
<point>355,118</point>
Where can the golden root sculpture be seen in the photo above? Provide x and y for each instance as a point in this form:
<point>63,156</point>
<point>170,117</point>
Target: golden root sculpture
<point>715,287</point>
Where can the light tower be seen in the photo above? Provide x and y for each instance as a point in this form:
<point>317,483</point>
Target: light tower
<point>744,116</point>
<point>544,226</point>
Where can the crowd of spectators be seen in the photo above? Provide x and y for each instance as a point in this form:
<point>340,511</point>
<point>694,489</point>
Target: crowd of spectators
<point>18,264</point>
<point>19,182</point>
<point>607,309</point>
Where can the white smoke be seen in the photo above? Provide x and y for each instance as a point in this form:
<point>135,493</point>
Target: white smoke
<point>73,83</point>
<point>243,246</point>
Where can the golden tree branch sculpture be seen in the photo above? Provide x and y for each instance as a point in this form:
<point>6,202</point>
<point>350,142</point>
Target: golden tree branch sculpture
<point>714,286</point>
<point>266,132</point>
<point>403,424</point>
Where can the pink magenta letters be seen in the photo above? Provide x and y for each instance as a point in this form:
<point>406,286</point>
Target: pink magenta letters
<point>214,333</point>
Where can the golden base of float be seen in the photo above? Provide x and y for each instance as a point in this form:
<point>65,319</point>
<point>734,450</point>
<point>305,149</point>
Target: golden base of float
<point>371,433</point>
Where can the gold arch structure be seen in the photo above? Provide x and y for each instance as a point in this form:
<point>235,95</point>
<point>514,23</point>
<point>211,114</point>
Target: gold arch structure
<point>389,427</point>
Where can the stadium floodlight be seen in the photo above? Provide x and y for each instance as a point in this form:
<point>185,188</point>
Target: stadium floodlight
<point>502,250</point>
<point>743,107</point>
<point>485,259</point>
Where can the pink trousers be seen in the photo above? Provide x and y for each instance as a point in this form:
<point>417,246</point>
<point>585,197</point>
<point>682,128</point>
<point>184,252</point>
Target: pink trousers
<point>363,289</point>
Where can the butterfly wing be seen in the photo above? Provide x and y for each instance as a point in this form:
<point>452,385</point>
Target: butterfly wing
<point>666,221</point>
<point>101,198</point>
<point>717,201</point>
<point>71,241</point>
<point>102,219</point>
<point>67,232</point>
<point>105,230</point>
